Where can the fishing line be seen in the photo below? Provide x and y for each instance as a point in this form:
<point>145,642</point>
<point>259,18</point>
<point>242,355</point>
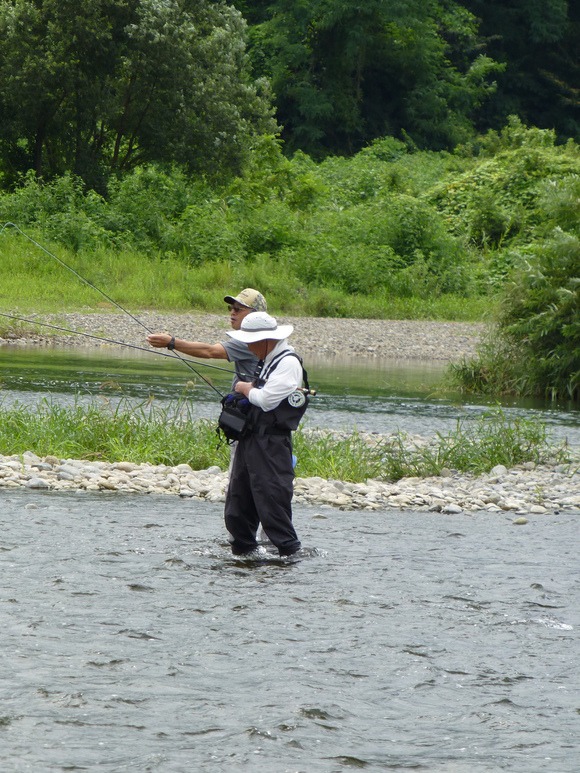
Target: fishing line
<point>174,354</point>
<point>107,340</point>
<point>76,273</point>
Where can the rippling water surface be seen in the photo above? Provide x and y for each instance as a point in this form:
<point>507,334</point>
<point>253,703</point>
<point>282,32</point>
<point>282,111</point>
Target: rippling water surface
<point>133,641</point>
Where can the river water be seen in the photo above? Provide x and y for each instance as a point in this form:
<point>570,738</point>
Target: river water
<point>377,396</point>
<point>133,641</point>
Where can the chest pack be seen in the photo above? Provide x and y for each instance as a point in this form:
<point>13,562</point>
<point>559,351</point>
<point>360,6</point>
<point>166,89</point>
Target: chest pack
<point>233,421</point>
<point>239,417</point>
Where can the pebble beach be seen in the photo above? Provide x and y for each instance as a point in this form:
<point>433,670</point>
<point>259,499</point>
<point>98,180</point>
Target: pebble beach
<point>522,491</point>
<point>321,336</point>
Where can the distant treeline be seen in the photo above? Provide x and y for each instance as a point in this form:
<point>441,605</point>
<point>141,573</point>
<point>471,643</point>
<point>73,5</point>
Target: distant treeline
<point>430,72</point>
<point>98,87</point>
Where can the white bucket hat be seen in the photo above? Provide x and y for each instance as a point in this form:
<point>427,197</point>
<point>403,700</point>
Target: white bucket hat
<point>259,326</point>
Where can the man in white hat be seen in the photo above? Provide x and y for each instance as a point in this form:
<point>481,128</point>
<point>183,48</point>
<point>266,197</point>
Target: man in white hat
<point>261,478</point>
<point>239,306</point>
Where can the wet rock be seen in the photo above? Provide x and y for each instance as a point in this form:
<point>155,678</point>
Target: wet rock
<point>37,483</point>
<point>515,490</point>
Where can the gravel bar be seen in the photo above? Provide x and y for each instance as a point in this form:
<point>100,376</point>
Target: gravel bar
<point>313,336</point>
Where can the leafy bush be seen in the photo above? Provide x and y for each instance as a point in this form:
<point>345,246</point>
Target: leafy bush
<point>536,347</point>
<point>501,197</point>
<point>269,228</point>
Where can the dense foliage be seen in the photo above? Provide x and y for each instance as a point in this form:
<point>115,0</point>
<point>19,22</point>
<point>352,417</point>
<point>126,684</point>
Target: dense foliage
<point>97,87</point>
<point>538,44</point>
<point>139,135</point>
<point>345,73</point>
<point>523,206</point>
<point>92,87</point>
<point>427,71</point>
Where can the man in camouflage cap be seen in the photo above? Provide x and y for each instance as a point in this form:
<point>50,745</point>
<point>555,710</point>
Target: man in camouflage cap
<point>245,302</point>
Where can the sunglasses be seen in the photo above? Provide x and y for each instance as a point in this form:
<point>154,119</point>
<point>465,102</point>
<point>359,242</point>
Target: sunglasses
<point>236,308</point>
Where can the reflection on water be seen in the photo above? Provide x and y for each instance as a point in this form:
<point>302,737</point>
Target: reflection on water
<point>381,396</point>
<point>134,641</point>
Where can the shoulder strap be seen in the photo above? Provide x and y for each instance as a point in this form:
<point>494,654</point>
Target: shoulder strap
<point>276,361</point>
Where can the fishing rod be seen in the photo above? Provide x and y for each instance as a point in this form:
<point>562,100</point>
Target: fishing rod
<point>106,340</point>
<point>173,354</point>
<point>129,346</point>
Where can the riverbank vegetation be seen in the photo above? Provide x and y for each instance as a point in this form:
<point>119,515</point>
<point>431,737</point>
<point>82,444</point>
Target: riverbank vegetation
<point>372,162</point>
<point>489,232</point>
<point>169,436</point>
<point>386,233</point>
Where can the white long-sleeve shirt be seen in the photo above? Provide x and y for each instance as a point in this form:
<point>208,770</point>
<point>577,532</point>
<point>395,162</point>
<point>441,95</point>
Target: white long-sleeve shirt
<point>285,379</point>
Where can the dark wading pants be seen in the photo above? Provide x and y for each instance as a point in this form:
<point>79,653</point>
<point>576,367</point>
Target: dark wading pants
<point>260,491</point>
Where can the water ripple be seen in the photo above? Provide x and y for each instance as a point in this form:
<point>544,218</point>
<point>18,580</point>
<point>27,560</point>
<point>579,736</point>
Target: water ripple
<point>134,642</point>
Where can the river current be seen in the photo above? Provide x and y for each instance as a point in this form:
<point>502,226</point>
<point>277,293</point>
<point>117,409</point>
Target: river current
<point>133,640</point>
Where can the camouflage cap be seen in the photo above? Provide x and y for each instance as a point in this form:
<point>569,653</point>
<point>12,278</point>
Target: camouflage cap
<point>250,298</point>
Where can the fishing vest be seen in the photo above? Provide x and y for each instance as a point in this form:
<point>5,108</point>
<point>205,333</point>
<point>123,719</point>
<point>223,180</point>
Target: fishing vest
<point>288,413</point>
<point>239,417</point>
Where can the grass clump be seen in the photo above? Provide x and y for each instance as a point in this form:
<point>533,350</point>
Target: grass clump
<point>110,433</point>
<point>171,436</point>
<point>474,447</point>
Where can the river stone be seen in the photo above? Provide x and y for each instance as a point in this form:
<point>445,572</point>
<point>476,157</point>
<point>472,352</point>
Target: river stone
<point>183,468</point>
<point>452,509</point>
<point>41,466</point>
<point>37,483</point>
<point>68,469</point>
<point>108,485</point>
<point>64,475</point>
<point>125,466</point>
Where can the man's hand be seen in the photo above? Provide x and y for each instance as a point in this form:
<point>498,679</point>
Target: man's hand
<point>191,348</point>
<point>243,387</point>
<point>159,340</point>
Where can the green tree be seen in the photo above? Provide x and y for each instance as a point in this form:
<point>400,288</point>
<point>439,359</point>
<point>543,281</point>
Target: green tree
<point>535,347</point>
<point>345,73</point>
<point>97,86</point>
<point>539,44</point>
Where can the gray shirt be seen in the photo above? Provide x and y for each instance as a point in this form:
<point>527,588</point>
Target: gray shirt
<point>244,361</point>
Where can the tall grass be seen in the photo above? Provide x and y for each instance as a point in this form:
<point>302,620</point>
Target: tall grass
<point>111,433</point>
<point>169,435</point>
<point>32,281</point>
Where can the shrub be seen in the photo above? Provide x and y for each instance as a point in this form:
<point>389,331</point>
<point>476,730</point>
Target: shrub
<point>536,347</point>
<point>502,197</point>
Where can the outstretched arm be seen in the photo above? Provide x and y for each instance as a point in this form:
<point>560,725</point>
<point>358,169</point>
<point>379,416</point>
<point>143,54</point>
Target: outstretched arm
<point>192,348</point>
